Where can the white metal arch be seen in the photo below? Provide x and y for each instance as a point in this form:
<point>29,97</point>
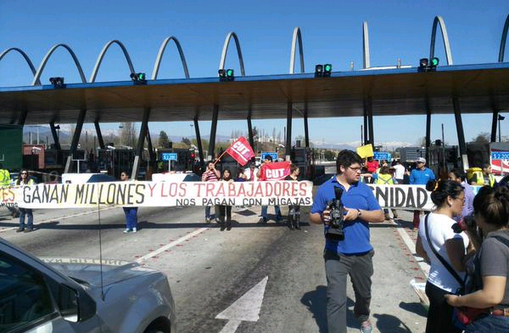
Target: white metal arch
<point>157,64</point>
<point>445,37</point>
<point>101,56</point>
<point>297,37</point>
<point>37,76</point>
<point>27,59</point>
<point>225,51</point>
<point>365,45</point>
<point>503,41</point>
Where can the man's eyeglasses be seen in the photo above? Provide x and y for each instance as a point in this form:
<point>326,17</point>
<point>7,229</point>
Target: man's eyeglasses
<point>357,169</point>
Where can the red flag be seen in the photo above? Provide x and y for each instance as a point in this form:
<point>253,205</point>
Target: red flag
<point>241,151</point>
<point>275,171</point>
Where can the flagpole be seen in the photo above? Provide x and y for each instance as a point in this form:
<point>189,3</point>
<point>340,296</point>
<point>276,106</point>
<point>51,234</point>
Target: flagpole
<point>217,159</point>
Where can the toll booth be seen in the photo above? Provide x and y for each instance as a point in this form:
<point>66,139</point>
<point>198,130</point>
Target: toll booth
<point>11,141</point>
<point>303,157</point>
<point>443,159</point>
<point>411,154</point>
<point>113,161</point>
<point>494,153</point>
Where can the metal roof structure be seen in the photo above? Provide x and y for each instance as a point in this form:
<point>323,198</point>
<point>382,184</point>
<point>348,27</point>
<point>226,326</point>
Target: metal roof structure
<point>404,91</point>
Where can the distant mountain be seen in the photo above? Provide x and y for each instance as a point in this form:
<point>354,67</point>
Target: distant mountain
<point>219,138</point>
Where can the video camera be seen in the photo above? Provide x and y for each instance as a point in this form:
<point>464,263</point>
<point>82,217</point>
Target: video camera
<point>467,222</point>
<point>335,232</point>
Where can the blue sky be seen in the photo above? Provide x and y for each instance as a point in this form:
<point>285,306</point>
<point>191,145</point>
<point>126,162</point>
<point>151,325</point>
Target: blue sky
<point>331,31</point>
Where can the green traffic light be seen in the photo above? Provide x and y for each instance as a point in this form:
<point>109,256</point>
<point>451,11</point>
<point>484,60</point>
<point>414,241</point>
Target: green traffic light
<point>328,68</point>
<point>141,76</point>
<point>434,62</point>
<point>229,72</point>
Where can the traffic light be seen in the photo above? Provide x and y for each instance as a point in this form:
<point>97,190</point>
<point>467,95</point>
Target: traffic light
<point>423,65</point>
<point>226,75</point>
<point>327,70</point>
<point>434,63</point>
<point>318,70</point>
<point>426,65</point>
<point>139,78</point>
<point>323,70</point>
<point>438,142</point>
<point>57,82</point>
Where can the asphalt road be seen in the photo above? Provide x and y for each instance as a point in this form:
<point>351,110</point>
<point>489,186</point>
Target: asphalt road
<point>254,278</point>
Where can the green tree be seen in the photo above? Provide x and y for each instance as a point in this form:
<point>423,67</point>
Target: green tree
<point>482,137</point>
<point>128,134</point>
<point>163,141</point>
<point>187,142</point>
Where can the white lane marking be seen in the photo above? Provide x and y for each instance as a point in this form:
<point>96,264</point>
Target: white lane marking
<point>172,244</point>
<point>411,246</point>
<point>246,308</point>
<point>63,217</point>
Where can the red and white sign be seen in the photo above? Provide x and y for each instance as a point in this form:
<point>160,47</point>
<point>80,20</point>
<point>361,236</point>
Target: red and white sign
<point>241,151</point>
<point>275,171</point>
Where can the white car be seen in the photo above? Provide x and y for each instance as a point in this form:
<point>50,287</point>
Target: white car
<point>73,296</point>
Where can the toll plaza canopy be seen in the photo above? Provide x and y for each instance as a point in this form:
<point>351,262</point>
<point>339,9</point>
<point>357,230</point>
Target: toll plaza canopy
<point>480,88</point>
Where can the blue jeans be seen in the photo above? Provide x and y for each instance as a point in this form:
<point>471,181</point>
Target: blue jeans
<point>207,212</point>
<point>489,324</point>
<point>30,218</point>
<point>131,217</point>
<point>277,211</point>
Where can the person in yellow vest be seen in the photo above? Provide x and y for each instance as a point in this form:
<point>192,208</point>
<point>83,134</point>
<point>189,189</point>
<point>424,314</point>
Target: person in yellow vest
<point>485,178</point>
<point>5,177</point>
<point>5,181</point>
<point>384,177</point>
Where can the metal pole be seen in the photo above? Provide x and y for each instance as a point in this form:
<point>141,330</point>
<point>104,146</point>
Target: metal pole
<point>443,148</point>
<point>499,134</point>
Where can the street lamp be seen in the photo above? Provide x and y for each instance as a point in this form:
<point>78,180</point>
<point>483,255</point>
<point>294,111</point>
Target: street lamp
<point>58,131</point>
<point>120,127</point>
<point>499,134</point>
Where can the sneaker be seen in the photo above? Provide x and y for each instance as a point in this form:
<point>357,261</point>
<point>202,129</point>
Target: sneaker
<point>20,229</point>
<point>126,231</point>
<point>208,219</point>
<point>134,230</point>
<point>29,230</point>
<point>263,220</point>
<point>366,327</point>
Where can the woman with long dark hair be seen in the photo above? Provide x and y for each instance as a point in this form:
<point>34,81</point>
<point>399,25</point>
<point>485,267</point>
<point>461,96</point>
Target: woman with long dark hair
<point>25,180</point>
<point>225,212</point>
<point>491,271</point>
<point>435,230</point>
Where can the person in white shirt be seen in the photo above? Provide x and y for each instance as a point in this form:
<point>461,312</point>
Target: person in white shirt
<point>251,172</point>
<point>399,171</point>
<point>448,196</point>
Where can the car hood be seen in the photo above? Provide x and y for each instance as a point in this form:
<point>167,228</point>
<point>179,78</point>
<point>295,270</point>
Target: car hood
<point>88,271</point>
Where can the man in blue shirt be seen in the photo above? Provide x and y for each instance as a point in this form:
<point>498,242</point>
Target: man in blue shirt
<point>354,254</point>
<point>420,176</point>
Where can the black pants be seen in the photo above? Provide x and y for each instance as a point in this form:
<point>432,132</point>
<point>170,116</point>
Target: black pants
<point>225,211</point>
<point>440,312</point>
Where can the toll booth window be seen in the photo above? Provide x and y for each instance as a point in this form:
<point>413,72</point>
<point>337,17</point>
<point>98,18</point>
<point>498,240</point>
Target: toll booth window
<point>25,298</point>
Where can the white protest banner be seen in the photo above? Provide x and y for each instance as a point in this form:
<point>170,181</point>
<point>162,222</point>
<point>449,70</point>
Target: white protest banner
<point>163,194</point>
<point>160,194</point>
